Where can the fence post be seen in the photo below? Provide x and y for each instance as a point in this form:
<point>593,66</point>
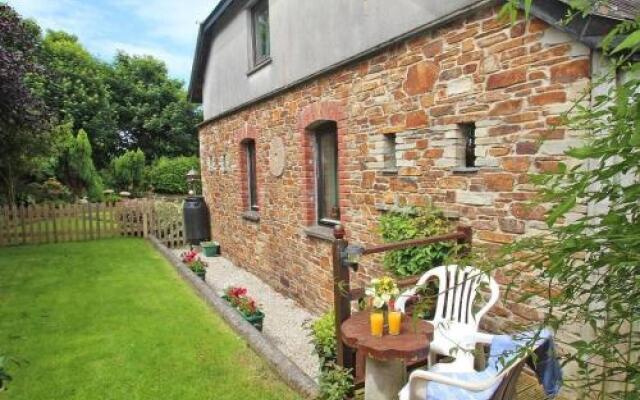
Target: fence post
<point>466,240</point>
<point>145,222</point>
<point>341,295</point>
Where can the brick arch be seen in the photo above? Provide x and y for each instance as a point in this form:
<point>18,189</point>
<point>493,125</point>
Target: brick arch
<point>308,118</point>
<point>240,137</point>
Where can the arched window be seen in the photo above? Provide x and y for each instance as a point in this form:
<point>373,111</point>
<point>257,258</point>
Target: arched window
<point>326,152</point>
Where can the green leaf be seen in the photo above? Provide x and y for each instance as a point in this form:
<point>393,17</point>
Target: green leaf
<point>561,209</point>
<point>629,42</point>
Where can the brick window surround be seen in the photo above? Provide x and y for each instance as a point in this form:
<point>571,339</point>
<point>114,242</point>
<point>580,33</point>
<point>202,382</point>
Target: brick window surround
<point>310,117</point>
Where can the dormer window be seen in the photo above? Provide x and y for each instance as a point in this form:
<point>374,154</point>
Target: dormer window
<point>260,28</point>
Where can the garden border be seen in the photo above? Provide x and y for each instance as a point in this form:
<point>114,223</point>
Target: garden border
<point>279,362</point>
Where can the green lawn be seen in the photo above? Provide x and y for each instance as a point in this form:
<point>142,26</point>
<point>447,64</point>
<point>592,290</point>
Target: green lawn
<point>111,319</point>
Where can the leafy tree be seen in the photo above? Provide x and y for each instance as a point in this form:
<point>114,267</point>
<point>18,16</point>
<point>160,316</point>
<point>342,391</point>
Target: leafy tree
<point>168,175</point>
<point>590,263</point>
<point>76,166</point>
<point>77,89</point>
<point>23,116</point>
<point>128,170</point>
<point>153,112</point>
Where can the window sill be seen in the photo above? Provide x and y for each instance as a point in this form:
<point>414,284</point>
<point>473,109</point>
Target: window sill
<point>320,232</point>
<point>253,216</point>
<point>465,170</point>
<point>259,66</point>
<point>389,171</point>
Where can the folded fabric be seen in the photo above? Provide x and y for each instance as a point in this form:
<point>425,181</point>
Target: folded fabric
<point>504,349</point>
<point>547,366</point>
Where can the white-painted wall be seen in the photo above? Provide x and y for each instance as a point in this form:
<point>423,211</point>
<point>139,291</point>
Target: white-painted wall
<point>308,36</point>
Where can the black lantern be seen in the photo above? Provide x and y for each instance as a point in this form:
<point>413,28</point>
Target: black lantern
<point>192,181</point>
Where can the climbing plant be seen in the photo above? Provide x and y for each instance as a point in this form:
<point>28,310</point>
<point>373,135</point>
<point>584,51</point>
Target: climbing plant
<point>414,223</point>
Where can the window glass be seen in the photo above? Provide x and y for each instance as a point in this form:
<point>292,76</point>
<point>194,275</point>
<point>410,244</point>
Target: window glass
<point>469,136</point>
<point>260,22</point>
<point>252,186</point>
<point>327,177</point>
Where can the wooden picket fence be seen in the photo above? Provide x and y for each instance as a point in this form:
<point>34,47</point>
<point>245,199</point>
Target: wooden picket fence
<point>49,223</point>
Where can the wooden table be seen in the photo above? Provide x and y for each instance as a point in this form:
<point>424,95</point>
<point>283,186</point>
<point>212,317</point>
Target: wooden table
<point>385,371</point>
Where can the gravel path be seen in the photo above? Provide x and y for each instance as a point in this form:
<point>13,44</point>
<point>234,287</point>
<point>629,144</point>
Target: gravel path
<point>283,323</point>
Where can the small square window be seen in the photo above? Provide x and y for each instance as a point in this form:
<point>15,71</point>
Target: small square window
<point>260,32</point>
<point>389,151</point>
<point>469,138</point>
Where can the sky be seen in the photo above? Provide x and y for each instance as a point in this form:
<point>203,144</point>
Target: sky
<point>166,29</point>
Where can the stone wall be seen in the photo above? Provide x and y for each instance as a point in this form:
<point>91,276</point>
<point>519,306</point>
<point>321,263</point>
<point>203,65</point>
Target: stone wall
<point>512,82</point>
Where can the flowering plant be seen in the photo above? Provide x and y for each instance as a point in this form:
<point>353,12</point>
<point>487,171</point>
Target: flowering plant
<point>238,298</point>
<point>189,256</point>
<point>382,292</point>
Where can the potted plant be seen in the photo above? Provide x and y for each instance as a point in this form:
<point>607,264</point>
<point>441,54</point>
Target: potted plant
<point>210,249</point>
<point>194,263</point>
<point>246,306</point>
<point>199,268</point>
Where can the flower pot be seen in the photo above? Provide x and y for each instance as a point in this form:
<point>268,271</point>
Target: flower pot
<point>210,249</point>
<point>256,319</point>
<point>201,274</point>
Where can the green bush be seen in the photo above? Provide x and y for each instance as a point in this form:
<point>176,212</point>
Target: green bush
<point>336,383</point>
<point>51,190</point>
<point>323,338</point>
<point>168,175</point>
<point>414,223</point>
<point>128,171</point>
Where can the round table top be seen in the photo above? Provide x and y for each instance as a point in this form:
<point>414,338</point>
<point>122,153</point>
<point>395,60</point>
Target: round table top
<point>412,343</point>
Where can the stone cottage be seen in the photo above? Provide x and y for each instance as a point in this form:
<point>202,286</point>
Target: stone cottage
<point>319,112</point>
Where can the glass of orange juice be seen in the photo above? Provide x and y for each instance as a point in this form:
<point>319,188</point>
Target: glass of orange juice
<point>377,323</point>
<point>395,319</point>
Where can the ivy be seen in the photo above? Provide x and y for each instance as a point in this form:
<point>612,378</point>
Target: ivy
<point>414,223</point>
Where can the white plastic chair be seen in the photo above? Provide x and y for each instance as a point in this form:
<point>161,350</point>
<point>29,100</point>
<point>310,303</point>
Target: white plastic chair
<point>455,323</point>
<point>496,382</point>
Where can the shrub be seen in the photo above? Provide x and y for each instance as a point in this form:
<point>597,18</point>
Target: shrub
<point>51,190</point>
<point>336,383</point>
<point>168,175</point>
<point>128,171</point>
<point>323,338</point>
<point>414,223</point>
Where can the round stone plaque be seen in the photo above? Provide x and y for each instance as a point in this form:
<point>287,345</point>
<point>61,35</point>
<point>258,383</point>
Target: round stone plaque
<point>277,158</point>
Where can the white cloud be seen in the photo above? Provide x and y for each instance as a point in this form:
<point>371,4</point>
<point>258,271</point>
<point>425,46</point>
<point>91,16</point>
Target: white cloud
<point>178,65</point>
<point>166,29</point>
<point>170,19</point>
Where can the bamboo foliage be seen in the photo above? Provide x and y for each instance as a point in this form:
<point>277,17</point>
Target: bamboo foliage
<point>49,223</point>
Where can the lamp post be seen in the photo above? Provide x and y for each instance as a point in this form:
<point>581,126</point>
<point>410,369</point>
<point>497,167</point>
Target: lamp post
<point>192,178</point>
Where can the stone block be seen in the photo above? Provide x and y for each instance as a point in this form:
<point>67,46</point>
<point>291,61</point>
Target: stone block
<point>570,71</point>
<point>475,198</point>
<point>558,147</point>
<point>420,78</point>
<point>507,78</point>
<point>459,86</point>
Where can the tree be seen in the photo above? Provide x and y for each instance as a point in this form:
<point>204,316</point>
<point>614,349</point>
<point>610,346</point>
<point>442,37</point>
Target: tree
<point>591,263</point>
<point>23,116</point>
<point>153,112</point>
<point>128,170</point>
<point>77,90</point>
<point>76,168</point>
